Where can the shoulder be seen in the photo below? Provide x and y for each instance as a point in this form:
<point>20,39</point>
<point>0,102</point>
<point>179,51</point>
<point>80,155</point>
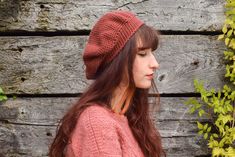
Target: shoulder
<point>94,115</point>
<point>96,110</point>
<point>101,118</point>
<point>96,130</point>
<point>96,122</point>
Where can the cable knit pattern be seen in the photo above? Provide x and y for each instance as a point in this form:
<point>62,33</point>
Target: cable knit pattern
<point>102,133</point>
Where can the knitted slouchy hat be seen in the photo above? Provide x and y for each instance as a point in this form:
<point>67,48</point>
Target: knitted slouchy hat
<point>107,38</point>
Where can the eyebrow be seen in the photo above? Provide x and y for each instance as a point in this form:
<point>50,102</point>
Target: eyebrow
<point>143,48</point>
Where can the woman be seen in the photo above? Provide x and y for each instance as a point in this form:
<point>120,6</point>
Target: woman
<point>111,119</point>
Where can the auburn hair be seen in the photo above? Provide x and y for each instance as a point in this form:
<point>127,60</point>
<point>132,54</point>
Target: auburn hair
<point>100,93</point>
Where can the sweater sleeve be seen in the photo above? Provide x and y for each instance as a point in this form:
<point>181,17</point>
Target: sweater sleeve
<point>95,135</point>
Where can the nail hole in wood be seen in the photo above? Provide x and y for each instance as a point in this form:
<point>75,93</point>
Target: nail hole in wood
<point>196,62</point>
<point>20,49</point>
<point>42,6</point>
<point>23,79</point>
<point>22,135</point>
<point>161,77</point>
<point>49,134</point>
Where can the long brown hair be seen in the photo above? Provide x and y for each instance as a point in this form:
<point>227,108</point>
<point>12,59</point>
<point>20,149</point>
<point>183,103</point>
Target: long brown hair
<point>101,90</point>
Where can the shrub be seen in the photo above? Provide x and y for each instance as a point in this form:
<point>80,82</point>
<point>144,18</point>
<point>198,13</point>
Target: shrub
<point>219,106</point>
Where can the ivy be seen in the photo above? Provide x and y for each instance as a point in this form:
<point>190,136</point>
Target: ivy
<point>3,97</point>
<point>219,106</point>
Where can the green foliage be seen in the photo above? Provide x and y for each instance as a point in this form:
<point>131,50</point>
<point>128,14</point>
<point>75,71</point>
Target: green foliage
<point>219,106</point>
<point>3,97</point>
<point>229,38</point>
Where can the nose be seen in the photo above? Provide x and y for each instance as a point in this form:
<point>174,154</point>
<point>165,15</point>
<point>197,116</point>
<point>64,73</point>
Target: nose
<point>153,63</point>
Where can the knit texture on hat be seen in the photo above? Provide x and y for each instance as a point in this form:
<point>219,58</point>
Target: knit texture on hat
<point>107,38</point>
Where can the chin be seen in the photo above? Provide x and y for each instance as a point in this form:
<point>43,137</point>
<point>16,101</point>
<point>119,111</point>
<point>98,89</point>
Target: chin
<point>144,86</point>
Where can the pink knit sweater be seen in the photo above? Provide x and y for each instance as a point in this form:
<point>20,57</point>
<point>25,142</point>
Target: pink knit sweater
<point>102,133</point>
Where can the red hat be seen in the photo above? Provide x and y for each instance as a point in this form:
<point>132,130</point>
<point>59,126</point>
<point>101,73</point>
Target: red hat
<point>107,38</point>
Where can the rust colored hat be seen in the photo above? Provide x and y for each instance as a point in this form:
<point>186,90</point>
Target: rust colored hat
<point>107,38</point>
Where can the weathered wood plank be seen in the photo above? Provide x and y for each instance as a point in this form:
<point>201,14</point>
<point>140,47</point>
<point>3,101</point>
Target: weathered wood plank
<point>37,65</point>
<point>185,147</point>
<point>47,111</point>
<point>26,140</point>
<point>172,120</point>
<point>33,141</point>
<point>34,120</point>
<point>69,15</point>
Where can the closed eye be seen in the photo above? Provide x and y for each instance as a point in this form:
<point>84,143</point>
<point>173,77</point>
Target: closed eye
<point>142,54</point>
<point>143,51</point>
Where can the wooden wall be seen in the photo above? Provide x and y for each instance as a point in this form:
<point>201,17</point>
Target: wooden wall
<point>41,43</point>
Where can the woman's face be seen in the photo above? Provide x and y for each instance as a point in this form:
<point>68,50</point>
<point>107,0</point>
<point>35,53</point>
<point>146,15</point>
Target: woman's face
<point>144,67</point>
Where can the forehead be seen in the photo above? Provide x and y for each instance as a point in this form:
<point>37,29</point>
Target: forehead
<point>141,46</point>
<point>146,38</point>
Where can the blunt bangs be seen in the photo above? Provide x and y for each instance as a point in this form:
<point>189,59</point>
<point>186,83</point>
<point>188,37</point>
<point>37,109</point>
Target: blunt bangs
<point>148,36</point>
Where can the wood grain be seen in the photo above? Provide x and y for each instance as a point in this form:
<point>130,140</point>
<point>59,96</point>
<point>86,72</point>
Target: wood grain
<point>47,111</point>
<point>37,65</point>
<point>28,125</point>
<point>69,15</point>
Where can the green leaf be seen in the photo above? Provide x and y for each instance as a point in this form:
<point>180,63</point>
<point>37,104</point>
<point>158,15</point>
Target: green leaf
<point>210,144</point>
<point>229,108</point>
<point>208,129</point>
<point>220,37</point>
<point>227,71</point>
<point>3,98</point>
<point>230,32</point>
<point>226,88</point>
<point>217,151</point>
<point>201,112</point>
<point>1,91</point>
<point>14,97</point>
<point>199,125</point>
<point>200,132</point>
<point>216,143</point>
<point>205,126</point>
<point>224,29</point>
<point>227,41</point>
<point>221,143</point>
<point>230,12</point>
<point>190,101</point>
<point>229,55</point>
<point>230,151</point>
<point>205,136</point>
<point>219,95</point>
<point>232,43</point>
<point>231,4</point>
<point>227,118</point>
<point>192,110</point>
<point>215,135</point>
<point>228,21</point>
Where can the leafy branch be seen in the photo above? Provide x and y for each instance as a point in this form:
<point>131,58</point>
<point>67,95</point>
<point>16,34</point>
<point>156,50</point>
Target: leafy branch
<point>219,106</point>
<point>3,97</point>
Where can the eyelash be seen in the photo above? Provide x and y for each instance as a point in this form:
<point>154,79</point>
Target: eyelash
<point>142,54</point>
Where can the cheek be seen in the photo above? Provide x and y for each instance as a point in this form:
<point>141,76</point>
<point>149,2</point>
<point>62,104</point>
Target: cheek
<point>137,69</point>
<point>139,75</point>
<point>137,62</point>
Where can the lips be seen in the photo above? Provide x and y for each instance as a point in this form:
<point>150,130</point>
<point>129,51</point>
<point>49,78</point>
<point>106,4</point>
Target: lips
<point>150,76</point>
